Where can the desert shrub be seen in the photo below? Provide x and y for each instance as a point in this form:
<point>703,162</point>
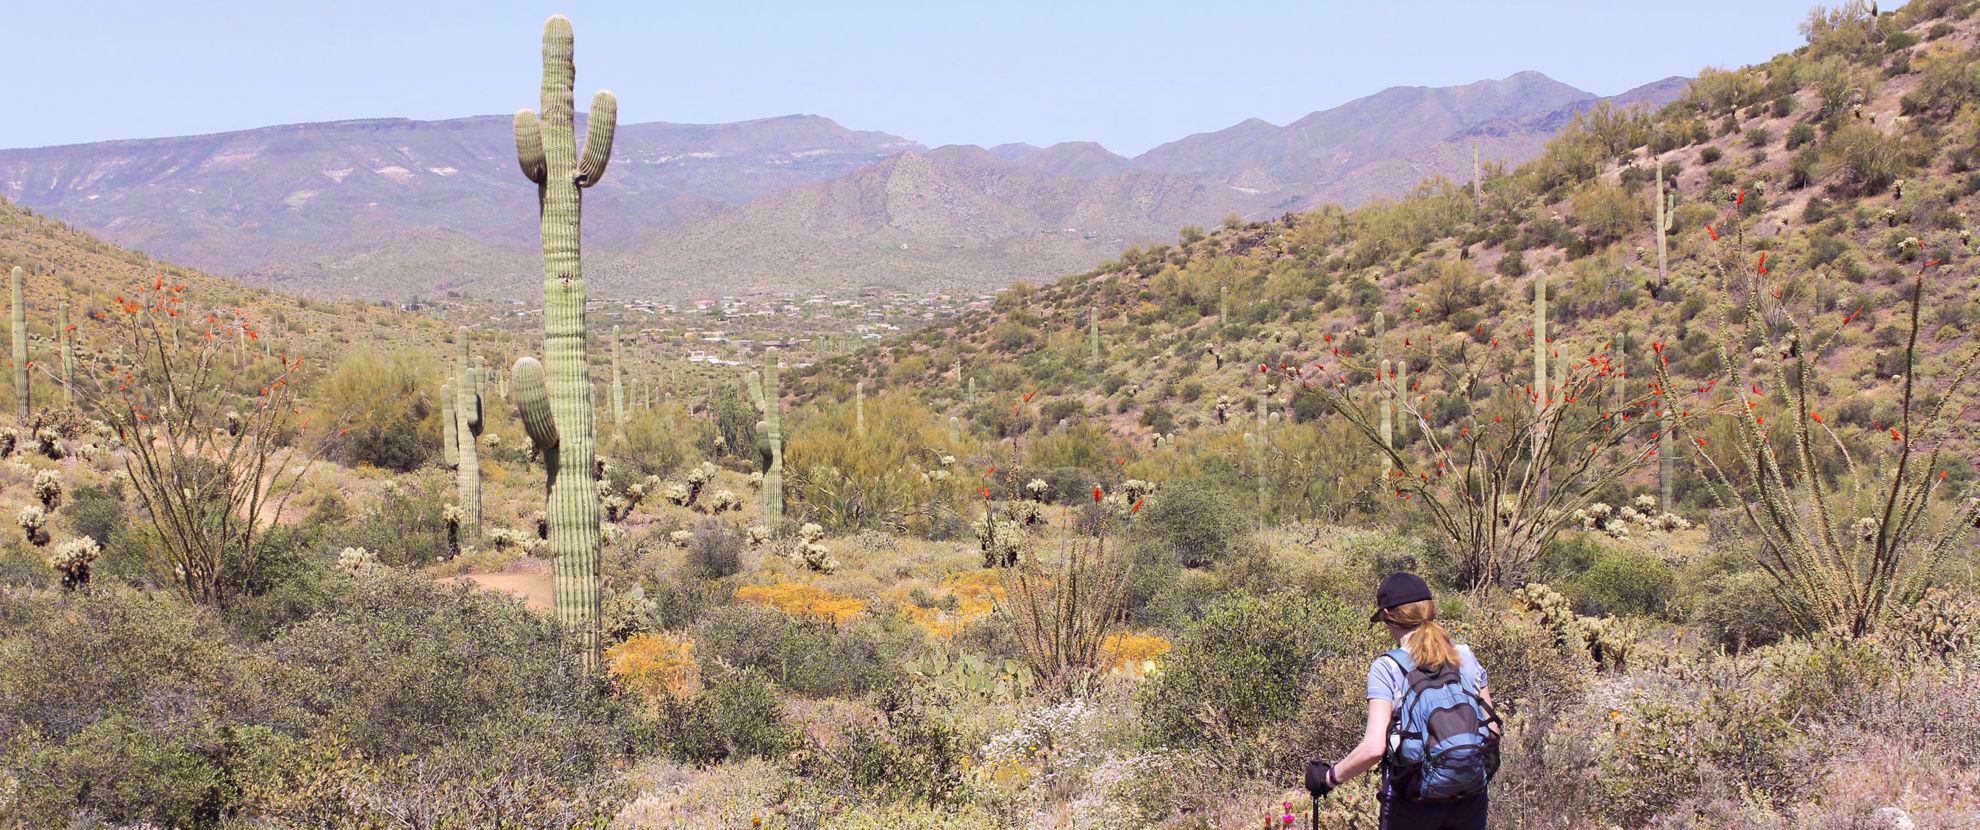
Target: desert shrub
<point>1193,520</point>
<point>806,656</point>
<point>1859,160</point>
<point>914,754</point>
<point>1622,583</point>
<point>661,440</point>
<point>735,424</point>
<point>1710,155</point>
<point>390,405</point>
<point>98,512</point>
<point>136,707</point>
<point>891,475</point>
<point>738,715</point>
<point>1242,670</point>
<point>405,526</point>
<point>716,551</point>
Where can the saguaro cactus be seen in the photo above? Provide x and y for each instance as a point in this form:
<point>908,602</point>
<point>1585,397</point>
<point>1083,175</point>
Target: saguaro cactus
<point>20,350</point>
<point>1666,208</point>
<point>618,389</point>
<point>1387,418</point>
<point>68,341</point>
<point>555,399</point>
<point>1093,334</point>
<point>450,442</point>
<point>859,407</point>
<point>1477,181</point>
<point>1540,396</point>
<point>467,414</point>
<point>773,415</point>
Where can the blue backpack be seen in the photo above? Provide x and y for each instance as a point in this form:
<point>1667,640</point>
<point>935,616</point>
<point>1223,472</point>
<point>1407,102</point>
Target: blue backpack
<point>1444,738</point>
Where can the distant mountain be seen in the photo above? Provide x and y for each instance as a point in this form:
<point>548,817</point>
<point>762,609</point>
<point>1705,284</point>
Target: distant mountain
<point>1385,143</point>
<point>398,208</point>
<point>952,217</point>
<point>395,207</point>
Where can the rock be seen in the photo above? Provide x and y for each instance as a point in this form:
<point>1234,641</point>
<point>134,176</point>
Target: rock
<point>1891,818</point>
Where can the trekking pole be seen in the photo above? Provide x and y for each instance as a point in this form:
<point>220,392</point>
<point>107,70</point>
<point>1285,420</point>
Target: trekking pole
<point>1315,824</point>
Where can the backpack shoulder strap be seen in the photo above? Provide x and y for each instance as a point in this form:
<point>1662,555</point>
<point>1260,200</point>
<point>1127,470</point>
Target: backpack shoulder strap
<point>1400,657</point>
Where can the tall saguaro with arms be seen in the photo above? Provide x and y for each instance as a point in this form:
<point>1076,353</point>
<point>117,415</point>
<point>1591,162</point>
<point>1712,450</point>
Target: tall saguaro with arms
<point>555,396</point>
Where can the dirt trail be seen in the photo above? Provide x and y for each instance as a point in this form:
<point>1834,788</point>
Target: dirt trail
<point>534,589</point>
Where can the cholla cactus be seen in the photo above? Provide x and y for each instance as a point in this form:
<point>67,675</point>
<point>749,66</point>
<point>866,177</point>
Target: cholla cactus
<point>1608,640</point>
<point>1941,625</point>
<point>1036,489</point>
<point>757,535</point>
<point>1223,408</point>
<point>1135,489</point>
<point>617,507</point>
<point>810,532</point>
<point>34,524</point>
<point>755,479</point>
<point>999,538</point>
<point>817,557</point>
<point>1026,513</point>
<point>504,538</point>
<point>47,488</point>
<point>677,493</point>
<point>946,461</point>
<point>723,501</point>
<point>356,561</point>
<point>73,560</point>
<point>49,442</point>
<point>10,440</point>
<point>451,517</point>
<point>681,538</point>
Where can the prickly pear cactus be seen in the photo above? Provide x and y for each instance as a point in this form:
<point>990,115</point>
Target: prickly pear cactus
<point>555,396</point>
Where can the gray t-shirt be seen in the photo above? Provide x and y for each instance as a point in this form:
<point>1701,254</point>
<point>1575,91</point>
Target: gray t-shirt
<point>1385,678</point>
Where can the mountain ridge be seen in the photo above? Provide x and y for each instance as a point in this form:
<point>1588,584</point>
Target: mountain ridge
<point>402,208</point>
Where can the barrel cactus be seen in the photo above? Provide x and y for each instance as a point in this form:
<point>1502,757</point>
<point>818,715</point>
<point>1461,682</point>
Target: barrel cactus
<point>555,396</point>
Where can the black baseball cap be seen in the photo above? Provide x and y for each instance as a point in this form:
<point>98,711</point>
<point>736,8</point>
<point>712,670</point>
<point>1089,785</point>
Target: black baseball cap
<point>1399,588</point>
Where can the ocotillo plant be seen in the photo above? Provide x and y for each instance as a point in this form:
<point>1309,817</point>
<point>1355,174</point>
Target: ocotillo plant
<point>467,414</point>
<point>20,350</point>
<point>555,396</point>
<point>1851,524</point>
<point>1542,398</point>
<point>618,389</point>
<point>1388,406</point>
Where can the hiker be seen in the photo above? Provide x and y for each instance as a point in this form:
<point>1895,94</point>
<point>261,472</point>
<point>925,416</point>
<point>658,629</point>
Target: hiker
<point>1431,724</point>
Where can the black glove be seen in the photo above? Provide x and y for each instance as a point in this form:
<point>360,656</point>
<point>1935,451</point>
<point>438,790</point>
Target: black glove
<point>1316,778</point>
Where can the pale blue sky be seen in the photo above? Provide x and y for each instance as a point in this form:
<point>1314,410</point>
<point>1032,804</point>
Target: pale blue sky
<point>1127,74</point>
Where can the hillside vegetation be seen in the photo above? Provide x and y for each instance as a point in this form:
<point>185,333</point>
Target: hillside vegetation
<point>1099,555</point>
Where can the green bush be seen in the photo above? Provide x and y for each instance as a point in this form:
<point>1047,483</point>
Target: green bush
<point>1193,520</point>
<point>805,656</point>
<point>389,408</point>
<point>1242,669</point>
<point>737,715</point>
<point>1622,584</point>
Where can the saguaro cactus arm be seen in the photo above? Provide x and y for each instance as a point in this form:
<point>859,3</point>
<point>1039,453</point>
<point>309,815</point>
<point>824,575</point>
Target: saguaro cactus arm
<point>604,120</point>
<point>529,146</point>
<point>533,404</point>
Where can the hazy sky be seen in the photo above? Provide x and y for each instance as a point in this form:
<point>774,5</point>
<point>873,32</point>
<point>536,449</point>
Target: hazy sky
<point>1127,74</point>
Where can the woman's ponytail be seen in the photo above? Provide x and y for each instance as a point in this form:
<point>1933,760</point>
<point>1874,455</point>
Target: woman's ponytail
<point>1429,644</point>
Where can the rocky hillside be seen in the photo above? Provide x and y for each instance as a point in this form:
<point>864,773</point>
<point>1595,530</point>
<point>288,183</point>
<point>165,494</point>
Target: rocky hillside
<point>400,209</point>
<point>1848,163</point>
